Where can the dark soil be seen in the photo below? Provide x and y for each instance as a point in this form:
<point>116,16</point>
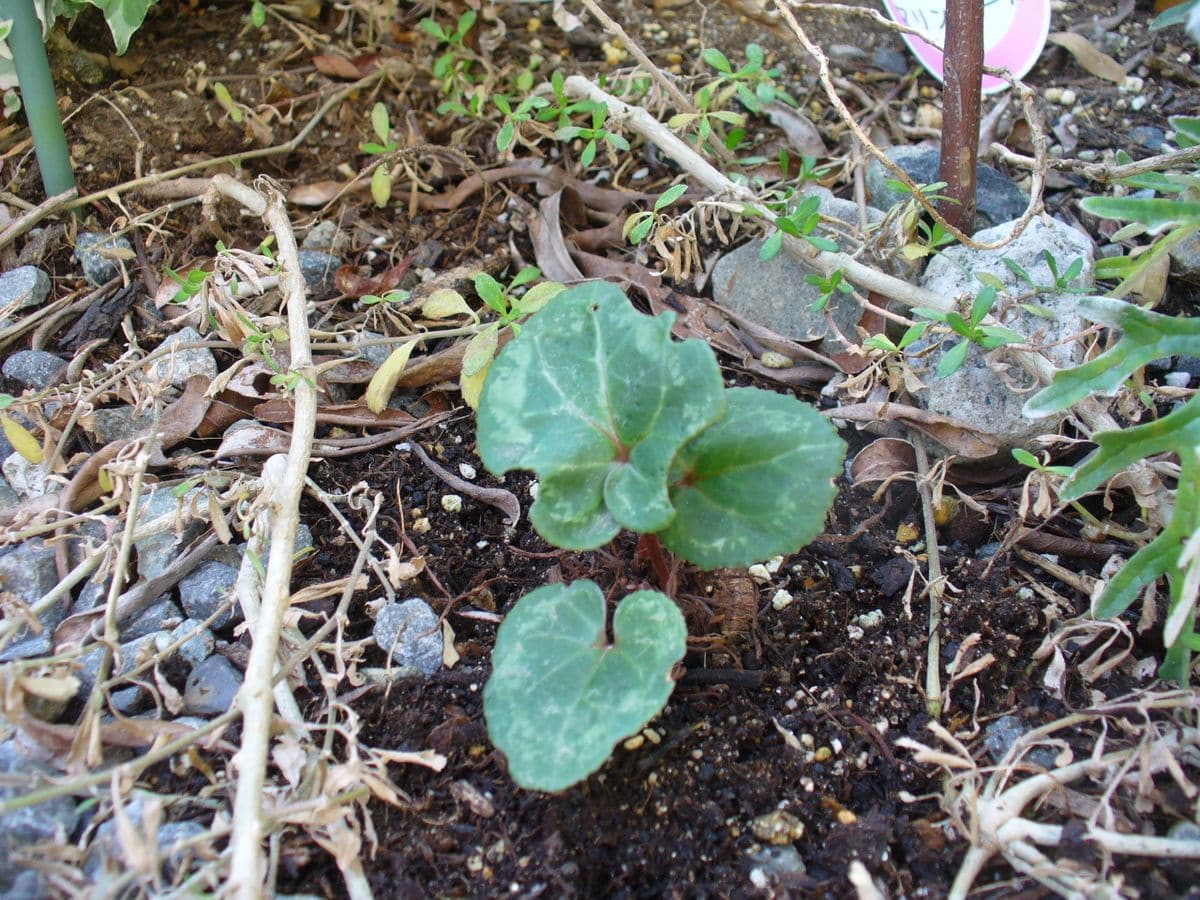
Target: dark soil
<point>793,709</point>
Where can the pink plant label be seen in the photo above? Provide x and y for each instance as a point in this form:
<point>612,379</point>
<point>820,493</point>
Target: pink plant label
<point>1014,33</point>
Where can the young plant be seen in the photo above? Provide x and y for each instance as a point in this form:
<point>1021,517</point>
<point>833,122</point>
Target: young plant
<point>510,309</point>
<point>514,118</point>
<point>593,136</point>
<point>638,226</point>
<point>1060,283</point>
<point>834,284</point>
<point>708,112</point>
<point>627,428</point>
<point>988,337</point>
<point>801,222</point>
<point>381,178</point>
<point>1175,552</point>
<point>752,84</point>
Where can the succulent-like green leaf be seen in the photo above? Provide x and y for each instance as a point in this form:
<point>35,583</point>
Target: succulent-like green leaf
<point>561,695</point>
<point>596,399</point>
<point>755,484</point>
<point>1147,336</point>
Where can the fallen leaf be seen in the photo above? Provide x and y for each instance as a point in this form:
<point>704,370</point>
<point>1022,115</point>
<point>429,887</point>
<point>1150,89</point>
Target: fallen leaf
<point>335,66</point>
<point>381,387</point>
<point>349,282</point>
<point>956,436</point>
<point>21,439</point>
<point>801,133</point>
<point>882,459</point>
<point>316,194</point>
<point>1092,60</point>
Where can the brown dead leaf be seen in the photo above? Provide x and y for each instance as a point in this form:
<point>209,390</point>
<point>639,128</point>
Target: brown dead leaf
<point>549,245</point>
<point>801,133</point>
<point>882,459</point>
<point>349,282</point>
<point>335,66</point>
<point>956,436</point>
<point>355,415</point>
<point>318,193</point>
<point>1092,60</point>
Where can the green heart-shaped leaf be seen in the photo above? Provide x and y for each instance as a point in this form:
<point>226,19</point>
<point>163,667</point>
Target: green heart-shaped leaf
<point>755,484</point>
<point>596,399</point>
<point>561,695</point>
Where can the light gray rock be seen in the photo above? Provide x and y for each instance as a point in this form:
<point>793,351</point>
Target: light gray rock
<point>326,236</point>
<point>372,353</point>
<point>121,422</point>
<point>163,615</point>
<point>24,287</point>
<point>997,198</point>
<point>207,588</point>
<point>53,821</point>
<point>25,478</point>
<point>177,367</point>
<point>211,687</point>
<point>8,497</point>
<point>131,654</point>
<point>170,836</point>
<point>1185,258</point>
<point>27,572</point>
<point>198,647</point>
<point>410,630</point>
<point>1000,735</point>
<point>97,254</point>
<point>35,369</point>
<point>157,551</point>
<point>974,394</point>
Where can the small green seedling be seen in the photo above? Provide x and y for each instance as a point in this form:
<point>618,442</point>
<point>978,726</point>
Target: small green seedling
<point>707,119</point>
<point>988,337</point>
<point>1175,552</point>
<point>394,297</point>
<point>511,308</point>
<point>627,428</point>
<point>752,84</point>
<point>381,178</point>
<point>638,226</point>
<point>834,284</point>
<point>1059,283</point>
<point>801,222</point>
<point>593,136</point>
<point>514,118</point>
<point>911,335</point>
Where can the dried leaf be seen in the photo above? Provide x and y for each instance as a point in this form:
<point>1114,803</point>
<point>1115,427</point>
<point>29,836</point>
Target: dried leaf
<point>449,654</point>
<point>335,66</point>
<point>882,459</point>
<point>444,303</point>
<point>349,282</point>
<point>50,687</point>
<point>956,436</point>
<point>801,133</point>
<point>379,391</point>
<point>254,440</point>
<point>1092,60</point>
<point>316,194</point>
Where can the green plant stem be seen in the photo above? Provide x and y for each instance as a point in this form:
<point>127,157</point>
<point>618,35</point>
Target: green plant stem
<point>37,95</point>
<point>963,74</point>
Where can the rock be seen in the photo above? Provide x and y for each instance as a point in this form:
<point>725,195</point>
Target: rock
<point>177,367</point>
<point>8,497</point>
<point>25,478</point>
<point>172,834</point>
<point>372,353</point>
<point>319,269</point>
<point>974,394</point>
<point>891,60</point>
<point>211,687</point>
<point>97,254</point>
<point>1148,136</point>
<point>157,551</point>
<point>35,369</point>
<point>412,632</point>
<point>198,647</point>
<point>1177,379</point>
<point>777,827</point>
<point>327,236</point>
<point>1185,258</point>
<point>203,591</point>
<point>1000,735</point>
<point>53,821</point>
<point>773,864</point>
<point>120,422</point>
<point>302,542</point>
<point>130,655</point>
<point>997,198</point>
<point>162,615</point>
<point>24,287</point>
<point>776,295</point>
<point>27,573</point>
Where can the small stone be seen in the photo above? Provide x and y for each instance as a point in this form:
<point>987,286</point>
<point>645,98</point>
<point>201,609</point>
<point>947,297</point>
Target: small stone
<point>872,619</point>
<point>410,631</point>
<point>1000,735</point>
<point>1067,98</point>
<point>25,478</point>
<point>822,754</point>
<point>452,503</point>
<point>156,552</point>
<point>28,573</point>
<point>782,600</point>
<point>172,834</point>
<point>24,287</point>
<point>161,616</point>
<point>774,360</point>
<point>1177,379</point>
<point>325,235</point>
<point>634,742</point>
<point>759,573</point>
<point>178,366</point>
<point>319,269</point>
<point>35,369</point>
<point>53,821</point>
<point>196,648</point>
<point>421,525</point>
<point>467,471</point>
<point>212,687</point>
<point>891,60</point>
<point>1148,136</point>
<point>907,532</point>
<point>777,827</point>
<point>100,255</point>
<point>846,817</point>
<point>206,589</point>
<point>652,736</point>
<point>120,422</point>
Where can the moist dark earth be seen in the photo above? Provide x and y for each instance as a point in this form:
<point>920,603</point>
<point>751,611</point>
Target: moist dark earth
<point>793,709</point>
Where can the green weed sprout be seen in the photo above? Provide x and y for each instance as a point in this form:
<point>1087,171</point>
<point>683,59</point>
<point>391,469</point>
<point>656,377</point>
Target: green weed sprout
<point>988,337</point>
<point>627,428</point>
<point>801,222</point>
<point>1175,552</point>
<point>381,178</point>
<point>638,226</point>
<point>593,136</point>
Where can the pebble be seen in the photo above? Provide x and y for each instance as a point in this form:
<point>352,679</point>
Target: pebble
<point>1177,379</point>
<point>325,235</point>
<point>467,471</point>
<point>452,503</point>
<point>27,573</point>
<point>777,827</point>
<point>1000,735</point>
<point>872,619</point>
<point>35,369</point>
<point>26,478</point>
<point>156,552</point>
<point>120,422</point>
<point>23,288</point>
<point>201,592</point>
<point>198,647</point>
<point>53,821</point>
<point>1148,136</point>
<point>319,269</point>
<point>412,633</point>
<point>178,366</point>
<point>212,687</point>
<point>160,616</point>
<point>98,255</point>
<point>782,600</point>
<point>774,862</point>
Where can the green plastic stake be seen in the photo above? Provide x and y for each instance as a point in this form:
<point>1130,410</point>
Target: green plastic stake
<point>561,695</point>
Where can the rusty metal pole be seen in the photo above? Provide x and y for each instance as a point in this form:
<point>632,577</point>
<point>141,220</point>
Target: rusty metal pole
<point>963,68</point>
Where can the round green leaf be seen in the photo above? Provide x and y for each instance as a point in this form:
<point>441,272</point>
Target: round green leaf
<point>596,399</point>
<point>756,484</point>
<point>561,695</point>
